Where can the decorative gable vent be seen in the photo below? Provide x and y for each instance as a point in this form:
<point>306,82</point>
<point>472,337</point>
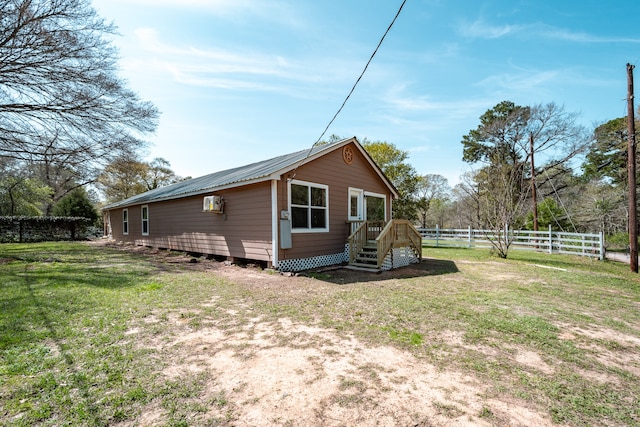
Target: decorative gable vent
<point>213,204</point>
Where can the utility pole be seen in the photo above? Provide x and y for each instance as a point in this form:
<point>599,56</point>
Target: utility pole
<point>534,196</point>
<point>631,167</point>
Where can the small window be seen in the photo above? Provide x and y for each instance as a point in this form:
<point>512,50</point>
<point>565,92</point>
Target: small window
<point>125,221</point>
<point>309,206</point>
<point>145,220</point>
<point>355,204</point>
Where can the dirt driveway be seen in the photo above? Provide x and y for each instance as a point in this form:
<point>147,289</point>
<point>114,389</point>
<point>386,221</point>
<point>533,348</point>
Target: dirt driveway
<point>267,373</point>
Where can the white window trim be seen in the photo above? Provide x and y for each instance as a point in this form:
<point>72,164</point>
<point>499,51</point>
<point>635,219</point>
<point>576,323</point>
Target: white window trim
<point>379,196</point>
<point>125,233</point>
<point>360,203</point>
<point>316,185</point>
<point>142,208</point>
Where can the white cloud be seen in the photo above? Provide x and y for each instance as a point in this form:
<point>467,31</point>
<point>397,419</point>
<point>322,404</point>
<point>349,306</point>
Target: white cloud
<point>233,69</point>
<point>480,29</point>
<point>581,37</point>
<point>190,64</point>
<point>519,82</point>
<point>267,10</point>
<point>397,98</point>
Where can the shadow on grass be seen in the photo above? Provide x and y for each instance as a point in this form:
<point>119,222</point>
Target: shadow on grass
<point>34,291</point>
<point>77,379</point>
<point>45,290</point>
<point>427,267</point>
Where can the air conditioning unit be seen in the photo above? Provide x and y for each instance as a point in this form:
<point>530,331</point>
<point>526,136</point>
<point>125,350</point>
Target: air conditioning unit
<point>213,204</point>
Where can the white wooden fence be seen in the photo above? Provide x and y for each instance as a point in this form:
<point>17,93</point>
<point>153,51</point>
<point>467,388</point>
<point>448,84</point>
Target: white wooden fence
<point>583,244</point>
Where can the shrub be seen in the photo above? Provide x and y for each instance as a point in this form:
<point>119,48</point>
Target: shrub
<point>42,228</point>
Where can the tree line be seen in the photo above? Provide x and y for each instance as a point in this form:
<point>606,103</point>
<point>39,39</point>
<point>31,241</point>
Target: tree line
<point>68,123</point>
<point>65,114</point>
<point>578,182</point>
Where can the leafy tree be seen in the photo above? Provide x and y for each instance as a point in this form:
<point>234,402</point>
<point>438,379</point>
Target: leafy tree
<point>22,196</point>
<point>431,189</point>
<point>504,143</point>
<point>550,213</point>
<point>601,207</point>
<point>605,171</point>
<point>76,203</point>
<point>158,173</point>
<point>498,189</point>
<point>443,213</point>
<point>607,157</point>
<point>500,137</point>
<point>121,179</point>
<point>393,163</point>
<point>62,105</point>
<point>126,177</point>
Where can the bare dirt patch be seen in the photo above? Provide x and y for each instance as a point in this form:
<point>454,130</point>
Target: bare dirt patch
<point>287,373</point>
<point>319,378</point>
<point>275,373</point>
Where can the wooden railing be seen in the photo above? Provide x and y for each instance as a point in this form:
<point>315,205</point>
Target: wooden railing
<point>394,234</point>
<point>397,234</point>
<point>408,235</point>
<point>357,240</point>
<point>385,241</point>
<point>372,229</point>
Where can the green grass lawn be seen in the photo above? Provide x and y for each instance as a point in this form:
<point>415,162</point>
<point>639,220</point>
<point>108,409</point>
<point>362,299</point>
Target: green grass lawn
<point>67,356</point>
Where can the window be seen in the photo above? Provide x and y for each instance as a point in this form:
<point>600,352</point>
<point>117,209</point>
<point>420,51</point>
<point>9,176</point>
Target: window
<point>376,206</point>
<point>309,206</point>
<point>125,221</point>
<point>145,220</point>
<point>355,204</point>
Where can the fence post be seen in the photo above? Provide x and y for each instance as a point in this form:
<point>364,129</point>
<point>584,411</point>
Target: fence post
<point>601,246</point>
<point>469,240</point>
<point>437,234</point>
<point>550,240</point>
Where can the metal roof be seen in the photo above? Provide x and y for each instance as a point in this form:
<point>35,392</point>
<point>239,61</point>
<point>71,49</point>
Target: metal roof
<point>254,172</point>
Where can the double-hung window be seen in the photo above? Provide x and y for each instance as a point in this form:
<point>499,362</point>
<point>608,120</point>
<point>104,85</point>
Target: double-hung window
<point>145,220</point>
<point>309,206</point>
<point>125,221</point>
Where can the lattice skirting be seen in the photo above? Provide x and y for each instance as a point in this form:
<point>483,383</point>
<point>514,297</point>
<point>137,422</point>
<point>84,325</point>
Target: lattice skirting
<point>396,258</point>
<point>399,257</point>
<point>312,262</point>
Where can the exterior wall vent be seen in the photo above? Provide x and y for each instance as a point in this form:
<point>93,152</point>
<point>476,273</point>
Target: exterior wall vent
<point>214,204</point>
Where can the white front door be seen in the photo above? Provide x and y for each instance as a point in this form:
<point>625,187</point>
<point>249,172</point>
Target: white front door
<point>356,205</point>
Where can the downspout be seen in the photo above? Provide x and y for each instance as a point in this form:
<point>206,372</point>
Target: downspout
<point>274,223</point>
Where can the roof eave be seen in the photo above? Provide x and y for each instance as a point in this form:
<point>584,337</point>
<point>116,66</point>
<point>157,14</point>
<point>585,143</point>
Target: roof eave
<point>190,194</point>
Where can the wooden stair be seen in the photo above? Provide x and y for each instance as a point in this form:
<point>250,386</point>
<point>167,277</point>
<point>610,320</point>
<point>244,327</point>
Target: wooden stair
<point>367,257</point>
<point>371,242</point>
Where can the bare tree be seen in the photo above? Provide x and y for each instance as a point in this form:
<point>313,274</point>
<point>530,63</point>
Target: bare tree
<point>489,199</point>
<point>504,143</point>
<point>62,104</point>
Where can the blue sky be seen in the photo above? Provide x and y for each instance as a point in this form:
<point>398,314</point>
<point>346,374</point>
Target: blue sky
<point>239,81</point>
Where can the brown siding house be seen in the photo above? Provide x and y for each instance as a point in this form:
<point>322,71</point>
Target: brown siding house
<point>292,211</point>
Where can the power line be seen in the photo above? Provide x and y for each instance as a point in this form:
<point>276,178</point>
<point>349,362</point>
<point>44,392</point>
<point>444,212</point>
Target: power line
<point>354,85</point>
<point>361,75</point>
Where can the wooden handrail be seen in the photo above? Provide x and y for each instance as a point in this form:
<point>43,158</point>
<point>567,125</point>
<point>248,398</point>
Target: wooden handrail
<point>357,240</point>
<point>395,233</point>
<point>384,241</point>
